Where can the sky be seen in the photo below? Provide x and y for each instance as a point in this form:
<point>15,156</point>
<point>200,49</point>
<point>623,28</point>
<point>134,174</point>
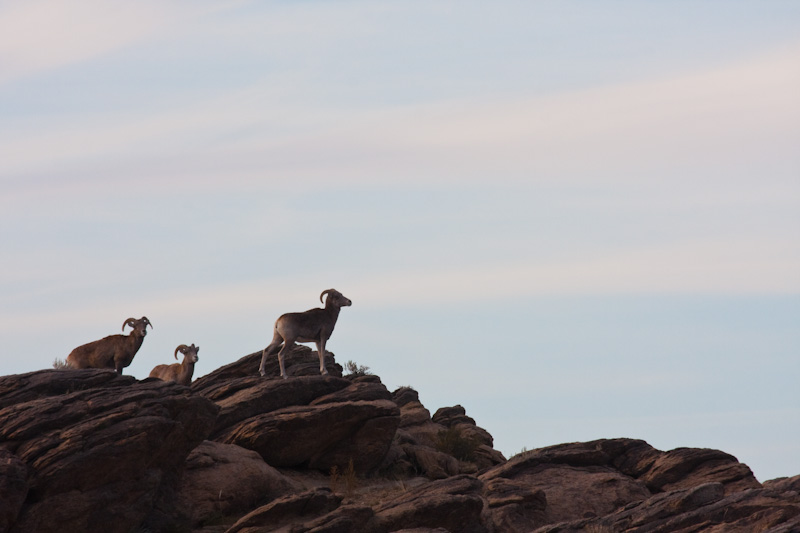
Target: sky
<point>578,220</point>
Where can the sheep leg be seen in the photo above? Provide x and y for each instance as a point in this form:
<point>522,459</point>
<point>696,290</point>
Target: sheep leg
<point>286,347</point>
<point>270,350</point>
<point>321,350</point>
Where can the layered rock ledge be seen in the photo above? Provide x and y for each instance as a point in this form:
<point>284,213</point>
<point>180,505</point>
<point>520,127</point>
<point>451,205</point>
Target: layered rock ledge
<point>88,450</point>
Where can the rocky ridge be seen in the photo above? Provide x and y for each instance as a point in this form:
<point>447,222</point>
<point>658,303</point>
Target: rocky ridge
<point>88,450</point>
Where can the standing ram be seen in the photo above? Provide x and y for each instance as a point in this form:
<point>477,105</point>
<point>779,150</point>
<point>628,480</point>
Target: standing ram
<point>114,351</point>
<point>314,325</point>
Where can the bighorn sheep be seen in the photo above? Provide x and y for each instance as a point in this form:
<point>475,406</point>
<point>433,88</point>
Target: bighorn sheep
<point>182,372</point>
<point>114,351</point>
<point>314,325</point>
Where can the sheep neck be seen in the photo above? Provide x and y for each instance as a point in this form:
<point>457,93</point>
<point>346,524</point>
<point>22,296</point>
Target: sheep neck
<point>333,311</point>
<point>185,374</point>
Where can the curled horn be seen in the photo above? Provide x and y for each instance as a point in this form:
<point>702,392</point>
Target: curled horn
<point>147,322</point>
<point>324,293</point>
<point>130,322</point>
<point>182,349</point>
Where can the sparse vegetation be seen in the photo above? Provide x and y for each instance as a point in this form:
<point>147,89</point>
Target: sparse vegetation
<point>452,442</point>
<point>521,453</point>
<point>350,480</point>
<point>353,369</point>
<point>348,477</point>
<point>334,479</point>
<point>60,364</point>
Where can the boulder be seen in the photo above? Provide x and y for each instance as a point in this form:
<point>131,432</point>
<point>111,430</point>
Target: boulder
<point>431,463</point>
<point>413,413</point>
<point>513,505</point>
<point>575,492</point>
<point>244,398</point>
<point>345,519</point>
<point>105,454</point>
<point>454,504</point>
<point>450,416</point>
<point>593,479</point>
<point>682,467</point>
<point>689,467</point>
<point>288,511</point>
<point>224,479</point>
<point>404,395</point>
<point>359,391</point>
<point>703,508</point>
<point>320,436</point>
<point>784,484</point>
<point>300,361</point>
<point>21,388</point>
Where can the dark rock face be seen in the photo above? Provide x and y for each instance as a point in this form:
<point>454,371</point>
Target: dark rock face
<point>701,508</point>
<point>688,467</point>
<point>13,488</point>
<point>454,504</point>
<point>223,479</point>
<point>308,421</point>
<point>451,416</point>
<point>106,456</point>
<point>513,505</point>
<point>320,436</point>
<point>287,511</point>
<point>88,450</point>
<point>300,361</point>
<point>419,443</point>
<point>244,398</point>
<point>601,478</point>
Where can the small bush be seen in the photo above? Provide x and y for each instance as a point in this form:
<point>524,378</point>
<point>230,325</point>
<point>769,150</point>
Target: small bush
<point>60,364</point>
<point>452,442</point>
<point>353,369</point>
<point>350,480</point>
<point>348,477</point>
<point>521,453</point>
<point>334,481</point>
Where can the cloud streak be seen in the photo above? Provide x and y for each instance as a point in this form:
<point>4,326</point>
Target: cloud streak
<point>38,36</point>
<point>740,115</point>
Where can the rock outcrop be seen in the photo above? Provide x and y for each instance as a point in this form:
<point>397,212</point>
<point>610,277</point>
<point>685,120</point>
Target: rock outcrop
<point>103,452</point>
<point>223,480</point>
<point>88,450</point>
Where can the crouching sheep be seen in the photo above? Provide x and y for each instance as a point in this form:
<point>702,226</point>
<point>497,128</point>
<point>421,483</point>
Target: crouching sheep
<point>180,373</point>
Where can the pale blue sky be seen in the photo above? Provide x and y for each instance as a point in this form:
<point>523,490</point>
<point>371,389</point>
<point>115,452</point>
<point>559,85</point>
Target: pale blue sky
<point>577,219</point>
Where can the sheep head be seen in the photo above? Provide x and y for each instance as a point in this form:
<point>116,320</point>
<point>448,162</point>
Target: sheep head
<point>190,352</point>
<point>139,327</point>
<point>335,298</point>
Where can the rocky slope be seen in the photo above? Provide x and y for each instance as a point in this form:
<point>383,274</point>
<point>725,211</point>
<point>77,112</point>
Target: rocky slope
<point>87,450</point>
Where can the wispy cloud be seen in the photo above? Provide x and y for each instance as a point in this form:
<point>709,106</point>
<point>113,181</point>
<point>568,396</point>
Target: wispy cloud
<point>689,268</point>
<point>737,115</point>
<point>41,35</point>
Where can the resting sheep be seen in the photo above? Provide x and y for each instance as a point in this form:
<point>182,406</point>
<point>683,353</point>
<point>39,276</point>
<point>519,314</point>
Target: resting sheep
<point>314,325</point>
<point>180,373</point>
<point>114,351</point>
